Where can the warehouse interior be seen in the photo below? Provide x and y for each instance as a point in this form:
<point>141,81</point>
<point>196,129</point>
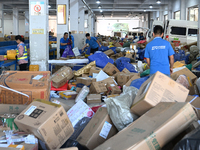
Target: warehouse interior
<point>99,75</point>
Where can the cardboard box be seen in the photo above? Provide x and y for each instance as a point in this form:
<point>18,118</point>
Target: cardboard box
<point>109,80</point>
<point>123,78</point>
<point>68,95</point>
<point>133,78</point>
<point>158,88</point>
<point>194,101</point>
<point>98,88</point>
<point>85,75</point>
<point>125,71</point>
<point>47,121</point>
<point>79,111</point>
<point>35,84</point>
<point>154,129</point>
<point>61,77</point>
<point>117,44</point>
<point>93,98</point>
<point>11,147</point>
<point>98,130</point>
<point>1,57</point>
<point>110,69</point>
<point>85,80</point>
<point>94,70</point>
<point>185,72</point>
<point>109,52</point>
<point>113,89</point>
<point>62,103</point>
<point>71,148</point>
<point>11,109</point>
<point>105,44</point>
<point>178,64</point>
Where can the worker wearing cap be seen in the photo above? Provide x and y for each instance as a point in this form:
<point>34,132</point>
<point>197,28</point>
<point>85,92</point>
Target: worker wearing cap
<point>93,43</point>
<point>159,53</point>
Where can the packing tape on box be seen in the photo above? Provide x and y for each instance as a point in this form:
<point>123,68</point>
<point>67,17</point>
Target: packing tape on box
<point>85,69</point>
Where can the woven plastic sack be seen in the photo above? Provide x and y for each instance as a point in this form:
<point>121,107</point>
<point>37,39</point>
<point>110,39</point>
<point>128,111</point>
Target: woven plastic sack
<point>124,62</point>
<point>101,59</point>
<point>182,79</point>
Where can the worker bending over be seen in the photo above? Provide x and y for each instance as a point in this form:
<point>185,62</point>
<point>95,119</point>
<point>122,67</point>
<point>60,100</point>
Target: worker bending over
<point>159,53</point>
<point>93,43</point>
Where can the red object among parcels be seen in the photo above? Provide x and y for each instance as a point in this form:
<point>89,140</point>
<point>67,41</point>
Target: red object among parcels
<point>95,108</point>
<point>63,88</point>
<point>121,44</point>
<point>141,42</point>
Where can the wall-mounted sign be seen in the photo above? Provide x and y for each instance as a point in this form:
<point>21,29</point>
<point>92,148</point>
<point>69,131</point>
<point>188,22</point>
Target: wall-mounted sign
<point>37,31</point>
<point>61,14</point>
<point>37,8</point>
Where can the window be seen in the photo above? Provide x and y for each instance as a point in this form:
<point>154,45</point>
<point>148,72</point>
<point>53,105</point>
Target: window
<point>166,17</point>
<point>177,15</point>
<point>192,32</point>
<point>193,13</point>
<point>178,30</point>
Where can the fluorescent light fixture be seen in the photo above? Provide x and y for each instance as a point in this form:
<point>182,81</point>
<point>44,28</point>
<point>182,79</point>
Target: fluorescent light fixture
<point>150,6</point>
<point>98,1</point>
<point>49,6</point>
<point>101,10</point>
<point>158,1</point>
<point>145,10</point>
<point>99,6</point>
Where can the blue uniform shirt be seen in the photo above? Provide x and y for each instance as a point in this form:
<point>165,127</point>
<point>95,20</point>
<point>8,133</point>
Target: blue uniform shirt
<point>92,42</point>
<point>141,38</point>
<point>158,51</point>
<point>72,41</point>
<point>62,40</point>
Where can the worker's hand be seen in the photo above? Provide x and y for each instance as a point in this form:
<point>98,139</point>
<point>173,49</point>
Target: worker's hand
<point>171,70</point>
<point>100,46</point>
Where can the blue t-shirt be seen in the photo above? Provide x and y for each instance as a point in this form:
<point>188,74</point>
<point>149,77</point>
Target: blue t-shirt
<point>92,42</point>
<point>158,51</point>
<point>72,41</point>
<point>62,40</point>
<point>141,38</point>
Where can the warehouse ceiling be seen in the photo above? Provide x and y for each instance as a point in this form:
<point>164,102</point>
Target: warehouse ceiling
<point>119,8</point>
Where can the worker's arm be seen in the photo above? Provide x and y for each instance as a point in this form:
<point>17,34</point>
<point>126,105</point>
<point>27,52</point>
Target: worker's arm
<point>171,61</point>
<point>63,44</point>
<point>99,43</point>
<point>148,61</point>
<point>21,51</point>
<point>84,46</point>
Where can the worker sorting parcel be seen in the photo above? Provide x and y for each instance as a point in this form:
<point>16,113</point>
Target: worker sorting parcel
<point>159,53</point>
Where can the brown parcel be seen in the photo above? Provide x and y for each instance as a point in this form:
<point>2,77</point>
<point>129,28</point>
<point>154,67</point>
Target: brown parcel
<point>123,78</point>
<point>1,57</point>
<point>85,80</point>
<point>133,78</point>
<point>23,81</point>
<point>195,101</point>
<point>71,148</point>
<point>113,89</point>
<point>109,52</point>
<point>125,71</point>
<point>11,109</point>
<point>97,88</point>
<point>47,121</point>
<point>110,69</point>
<point>154,129</point>
<point>94,70</point>
<point>94,98</point>
<point>158,88</point>
<point>94,133</point>
<point>61,77</point>
<point>185,72</point>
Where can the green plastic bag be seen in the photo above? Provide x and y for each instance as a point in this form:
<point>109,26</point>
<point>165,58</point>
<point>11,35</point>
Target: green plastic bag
<point>10,123</point>
<point>127,44</point>
<point>145,73</point>
<point>189,66</point>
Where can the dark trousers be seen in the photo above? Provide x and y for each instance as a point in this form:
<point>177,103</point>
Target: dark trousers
<point>94,50</point>
<point>23,67</point>
<point>61,52</point>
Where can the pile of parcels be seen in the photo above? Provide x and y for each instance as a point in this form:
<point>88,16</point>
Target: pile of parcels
<point>110,109</point>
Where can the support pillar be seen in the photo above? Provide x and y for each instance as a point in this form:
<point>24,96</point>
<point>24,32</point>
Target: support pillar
<point>183,10</point>
<point>161,17</point>
<point>87,18</point>
<point>1,21</point>
<point>15,21</point>
<point>26,23</point>
<point>62,28</point>
<point>74,7</point>
<point>39,33</point>
<point>169,10</point>
<point>81,18</point>
<point>198,38</point>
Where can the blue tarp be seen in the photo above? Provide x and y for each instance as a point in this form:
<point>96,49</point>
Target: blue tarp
<point>179,56</point>
<point>138,82</point>
<point>8,43</point>
<point>124,62</point>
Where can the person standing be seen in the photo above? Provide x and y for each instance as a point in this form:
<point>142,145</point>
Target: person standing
<point>159,53</point>
<point>93,43</point>
<point>64,41</point>
<point>22,55</point>
<point>71,37</point>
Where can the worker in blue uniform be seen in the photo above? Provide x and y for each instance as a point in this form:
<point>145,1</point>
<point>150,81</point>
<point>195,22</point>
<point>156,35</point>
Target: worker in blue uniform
<point>159,53</point>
